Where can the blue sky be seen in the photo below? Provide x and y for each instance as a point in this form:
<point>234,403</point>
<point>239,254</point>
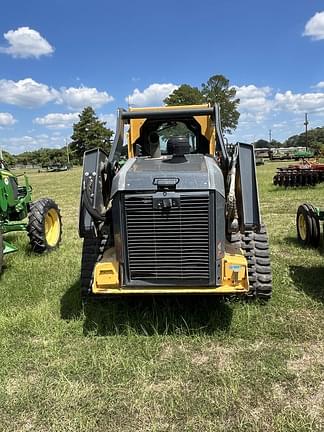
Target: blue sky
<point>58,56</point>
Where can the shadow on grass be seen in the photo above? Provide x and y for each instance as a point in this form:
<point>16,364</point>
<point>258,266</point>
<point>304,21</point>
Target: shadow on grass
<point>148,315</point>
<point>71,306</point>
<point>293,241</point>
<point>310,280</point>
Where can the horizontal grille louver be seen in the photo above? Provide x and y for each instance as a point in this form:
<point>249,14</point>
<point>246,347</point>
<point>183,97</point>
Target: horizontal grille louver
<point>171,244</point>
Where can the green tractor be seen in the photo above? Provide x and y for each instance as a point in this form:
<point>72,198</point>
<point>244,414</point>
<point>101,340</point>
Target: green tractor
<point>44,226</point>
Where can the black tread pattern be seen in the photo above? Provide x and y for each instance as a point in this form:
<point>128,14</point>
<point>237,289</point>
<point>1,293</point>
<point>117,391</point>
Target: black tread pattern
<point>316,229</point>
<point>255,246</point>
<point>36,224</point>
<point>92,252</point>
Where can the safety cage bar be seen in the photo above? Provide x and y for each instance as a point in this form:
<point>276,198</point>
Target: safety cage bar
<point>170,113</point>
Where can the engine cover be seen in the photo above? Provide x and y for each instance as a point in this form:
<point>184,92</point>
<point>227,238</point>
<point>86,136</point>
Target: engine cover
<point>169,222</point>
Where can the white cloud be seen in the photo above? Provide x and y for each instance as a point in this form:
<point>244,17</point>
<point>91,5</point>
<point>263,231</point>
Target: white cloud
<point>153,95</point>
<point>7,119</point>
<point>314,28</point>
<point>31,94</point>
<point>253,98</point>
<point>19,144</point>
<point>78,98</point>
<point>110,120</point>
<point>26,93</point>
<point>66,120</point>
<point>300,102</point>
<point>57,120</point>
<point>319,85</point>
<point>26,42</point>
<point>280,125</point>
<point>255,103</point>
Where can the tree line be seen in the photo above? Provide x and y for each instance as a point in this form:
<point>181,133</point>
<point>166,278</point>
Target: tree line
<point>90,132</point>
<point>315,140</point>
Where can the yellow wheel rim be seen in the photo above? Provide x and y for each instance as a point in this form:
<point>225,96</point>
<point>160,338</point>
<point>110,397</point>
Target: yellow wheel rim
<point>52,227</point>
<point>302,227</point>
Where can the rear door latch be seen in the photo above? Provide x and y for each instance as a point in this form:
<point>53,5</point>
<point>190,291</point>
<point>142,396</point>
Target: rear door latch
<point>166,200</point>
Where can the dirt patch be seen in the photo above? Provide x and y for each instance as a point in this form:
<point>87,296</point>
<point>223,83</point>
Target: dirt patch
<point>311,356</point>
<point>16,384</point>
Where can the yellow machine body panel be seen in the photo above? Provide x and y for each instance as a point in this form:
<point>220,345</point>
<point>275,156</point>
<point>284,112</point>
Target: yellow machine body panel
<point>106,273</point>
<point>205,123</point>
<point>235,279</point>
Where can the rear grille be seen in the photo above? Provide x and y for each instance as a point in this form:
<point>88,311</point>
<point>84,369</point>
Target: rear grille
<point>170,245</point>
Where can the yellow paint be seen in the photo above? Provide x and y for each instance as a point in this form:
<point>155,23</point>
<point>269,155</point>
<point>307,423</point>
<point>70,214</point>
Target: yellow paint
<point>205,123</point>
<point>221,290</point>
<point>106,279</point>
<point>6,173</point>
<point>106,273</point>
<point>302,226</point>
<point>52,227</point>
<point>235,273</point>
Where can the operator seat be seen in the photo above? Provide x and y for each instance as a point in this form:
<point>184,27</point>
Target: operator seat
<point>178,145</point>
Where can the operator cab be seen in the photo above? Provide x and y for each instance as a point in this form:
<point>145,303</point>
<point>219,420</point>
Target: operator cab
<point>154,137</point>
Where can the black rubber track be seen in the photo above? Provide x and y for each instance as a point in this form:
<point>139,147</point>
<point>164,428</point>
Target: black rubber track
<point>36,224</point>
<point>92,251</point>
<point>255,246</point>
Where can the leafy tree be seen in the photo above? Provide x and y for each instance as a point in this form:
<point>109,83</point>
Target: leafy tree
<point>8,158</point>
<point>185,95</point>
<point>88,133</point>
<point>216,90</point>
<point>42,157</point>
<point>276,144</point>
<point>315,137</point>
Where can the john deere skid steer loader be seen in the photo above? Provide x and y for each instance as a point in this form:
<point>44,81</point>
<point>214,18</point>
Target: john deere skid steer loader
<point>180,216</point>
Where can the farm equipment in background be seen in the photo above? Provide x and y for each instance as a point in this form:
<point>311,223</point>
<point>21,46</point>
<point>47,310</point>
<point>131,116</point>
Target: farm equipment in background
<point>181,216</point>
<point>57,168</point>
<point>296,153</point>
<point>308,224</point>
<point>303,154</point>
<point>306,173</point>
<point>44,226</point>
<point>259,160</point>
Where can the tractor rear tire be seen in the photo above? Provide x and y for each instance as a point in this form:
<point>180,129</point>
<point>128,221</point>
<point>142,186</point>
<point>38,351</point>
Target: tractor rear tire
<point>308,226</point>
<point>92,251</point>
<point>255,247</point>
<point>316,229</point>
<point>44,225</point>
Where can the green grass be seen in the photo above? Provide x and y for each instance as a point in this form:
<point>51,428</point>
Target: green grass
<point>163,363</point>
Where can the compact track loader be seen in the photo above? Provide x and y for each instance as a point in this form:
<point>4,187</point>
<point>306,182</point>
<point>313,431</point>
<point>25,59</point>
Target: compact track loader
<point>180,216</point>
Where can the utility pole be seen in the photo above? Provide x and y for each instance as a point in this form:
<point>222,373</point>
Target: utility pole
<point>306,129</point>
<point>67,152</point>
<point>270,137</point>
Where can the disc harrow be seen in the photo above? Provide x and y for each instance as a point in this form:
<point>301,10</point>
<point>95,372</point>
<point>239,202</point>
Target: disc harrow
<point>302,174</point>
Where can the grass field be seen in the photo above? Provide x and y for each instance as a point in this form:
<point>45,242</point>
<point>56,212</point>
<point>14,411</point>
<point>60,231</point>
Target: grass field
<point>161,364</point>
